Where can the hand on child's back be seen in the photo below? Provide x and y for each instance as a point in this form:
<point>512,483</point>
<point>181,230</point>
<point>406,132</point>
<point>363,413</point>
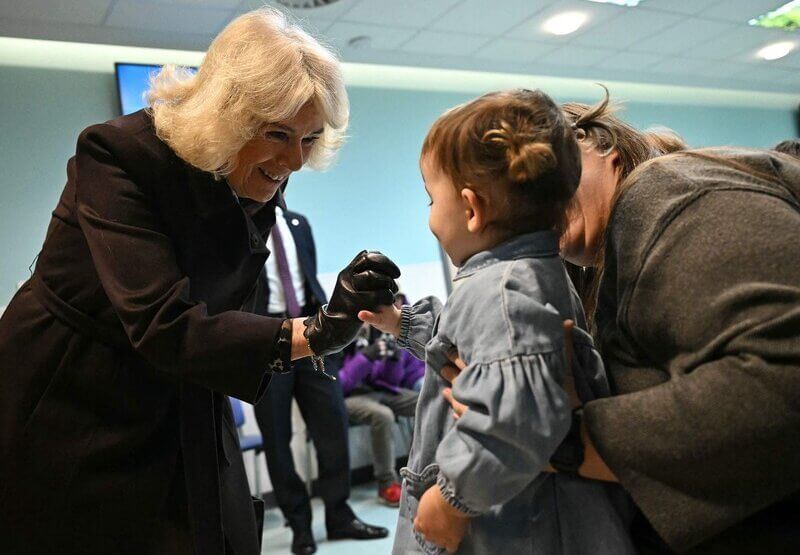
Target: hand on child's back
<point>451,372</point>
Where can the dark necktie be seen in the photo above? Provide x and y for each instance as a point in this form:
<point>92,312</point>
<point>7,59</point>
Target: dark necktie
<point>292,306</point>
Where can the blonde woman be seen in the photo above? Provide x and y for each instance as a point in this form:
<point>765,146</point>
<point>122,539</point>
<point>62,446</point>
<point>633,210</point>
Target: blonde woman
<point>116,357</point>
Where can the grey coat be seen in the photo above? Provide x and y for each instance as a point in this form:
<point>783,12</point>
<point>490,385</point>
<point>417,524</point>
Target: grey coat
<point>698,322</point>
<point>505,321</point>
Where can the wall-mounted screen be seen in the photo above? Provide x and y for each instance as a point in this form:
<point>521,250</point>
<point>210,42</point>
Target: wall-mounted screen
<point>133,80</point>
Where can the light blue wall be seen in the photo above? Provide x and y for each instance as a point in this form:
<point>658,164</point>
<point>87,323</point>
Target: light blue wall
<point>41,113</point>
<point>372,198</point>
<point>376,186</point>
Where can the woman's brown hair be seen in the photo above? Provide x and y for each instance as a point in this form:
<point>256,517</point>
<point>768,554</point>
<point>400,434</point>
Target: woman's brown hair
<point>516,150</point>
<point>598,126</point>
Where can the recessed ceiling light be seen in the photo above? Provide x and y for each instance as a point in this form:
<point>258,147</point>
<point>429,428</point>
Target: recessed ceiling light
<point>776,50</point>
<point>628,3</point>
<point>787,17</point>
<point>564,23</point>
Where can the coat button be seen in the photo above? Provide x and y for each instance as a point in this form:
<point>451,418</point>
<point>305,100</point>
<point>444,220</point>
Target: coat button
<point>295,221</point>
<point>255,240</point>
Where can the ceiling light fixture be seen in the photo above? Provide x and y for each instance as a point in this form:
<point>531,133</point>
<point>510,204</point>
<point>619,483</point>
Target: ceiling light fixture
<point>776,50</point>
<point>564,23</point>
<point>626,3</point>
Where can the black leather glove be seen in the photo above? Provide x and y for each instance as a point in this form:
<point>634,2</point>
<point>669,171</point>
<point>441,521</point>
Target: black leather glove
<point>365,284</point>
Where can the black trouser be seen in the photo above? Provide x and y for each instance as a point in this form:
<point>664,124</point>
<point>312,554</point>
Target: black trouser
<point>322,406</point>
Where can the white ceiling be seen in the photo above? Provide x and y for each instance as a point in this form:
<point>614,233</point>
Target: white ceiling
<point>703,43</point>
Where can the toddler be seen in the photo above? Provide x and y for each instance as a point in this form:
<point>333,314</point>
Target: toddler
<point>500,172</point>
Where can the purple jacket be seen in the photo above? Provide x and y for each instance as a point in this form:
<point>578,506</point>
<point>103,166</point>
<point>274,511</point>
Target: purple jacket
<point>381,374</point>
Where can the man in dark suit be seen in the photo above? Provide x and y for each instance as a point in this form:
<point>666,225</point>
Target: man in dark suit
<point>288,287</point>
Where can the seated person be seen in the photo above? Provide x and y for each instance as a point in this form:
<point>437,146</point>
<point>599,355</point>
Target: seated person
<point>378,379</point>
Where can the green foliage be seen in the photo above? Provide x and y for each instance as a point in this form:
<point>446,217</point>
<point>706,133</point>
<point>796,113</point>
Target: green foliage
<point>789,21</point>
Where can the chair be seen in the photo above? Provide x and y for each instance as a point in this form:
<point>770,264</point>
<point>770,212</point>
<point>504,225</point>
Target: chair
<point>248,442</point>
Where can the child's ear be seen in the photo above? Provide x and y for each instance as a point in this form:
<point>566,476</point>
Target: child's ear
<point>475,210</point>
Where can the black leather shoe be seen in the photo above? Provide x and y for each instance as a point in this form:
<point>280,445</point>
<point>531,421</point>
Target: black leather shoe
<point>357,530</point>
<point>303,543</point>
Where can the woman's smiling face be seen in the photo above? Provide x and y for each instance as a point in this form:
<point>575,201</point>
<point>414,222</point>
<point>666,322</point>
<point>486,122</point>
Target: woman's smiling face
<point>281,148</point>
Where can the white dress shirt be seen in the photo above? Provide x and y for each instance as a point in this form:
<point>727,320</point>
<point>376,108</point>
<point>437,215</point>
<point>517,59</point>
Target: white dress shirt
<point>277,300</point>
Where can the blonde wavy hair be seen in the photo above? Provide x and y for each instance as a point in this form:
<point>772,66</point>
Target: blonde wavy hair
<point>260,69</point>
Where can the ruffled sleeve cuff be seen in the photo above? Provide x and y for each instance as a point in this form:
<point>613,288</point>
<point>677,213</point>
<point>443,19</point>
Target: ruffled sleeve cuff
<point>405,324</point>
<point>449,494</point>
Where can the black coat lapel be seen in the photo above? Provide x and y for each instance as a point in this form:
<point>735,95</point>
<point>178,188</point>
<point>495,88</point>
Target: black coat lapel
<point>237,241</point>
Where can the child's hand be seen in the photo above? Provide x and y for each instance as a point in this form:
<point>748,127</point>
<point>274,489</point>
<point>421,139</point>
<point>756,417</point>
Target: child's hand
<point>387,319</point>
<point>439,522</point>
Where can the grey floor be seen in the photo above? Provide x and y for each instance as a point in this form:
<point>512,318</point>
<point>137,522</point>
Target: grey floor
<point>364,501</point>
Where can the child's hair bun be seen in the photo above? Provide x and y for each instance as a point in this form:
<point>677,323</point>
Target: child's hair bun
<point>527,157</point>
<point>530,161</point>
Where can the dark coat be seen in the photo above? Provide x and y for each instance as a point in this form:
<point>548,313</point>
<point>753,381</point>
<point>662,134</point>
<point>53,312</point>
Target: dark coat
<point>117,356</point>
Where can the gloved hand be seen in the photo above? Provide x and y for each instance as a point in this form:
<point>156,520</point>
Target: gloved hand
<point>365,284</point>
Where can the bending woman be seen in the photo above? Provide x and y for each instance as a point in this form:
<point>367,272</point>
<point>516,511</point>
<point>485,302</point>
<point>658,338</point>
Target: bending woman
<point>116,357</point>
<point>698,322</point>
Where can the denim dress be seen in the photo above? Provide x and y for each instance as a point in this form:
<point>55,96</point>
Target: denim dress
<point>504,319</point>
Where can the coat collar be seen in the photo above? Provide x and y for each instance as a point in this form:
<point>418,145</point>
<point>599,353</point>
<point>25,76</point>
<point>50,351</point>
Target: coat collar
<point>223,215</point>
<point>212,197</point>
<point>530,245</point>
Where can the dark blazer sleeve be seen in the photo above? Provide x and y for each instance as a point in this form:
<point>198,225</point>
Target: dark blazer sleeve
<point>136,262</point>
<point>717,306</point>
